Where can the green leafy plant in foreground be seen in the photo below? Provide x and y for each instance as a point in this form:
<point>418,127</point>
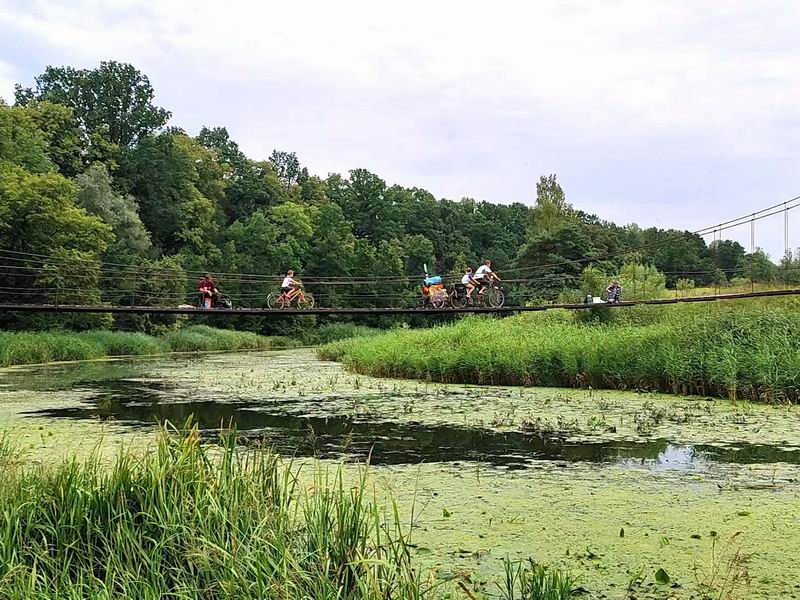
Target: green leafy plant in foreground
<point>185,521</point>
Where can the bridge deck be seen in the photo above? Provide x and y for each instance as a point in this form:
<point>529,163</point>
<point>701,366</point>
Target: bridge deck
<point>265,312</point>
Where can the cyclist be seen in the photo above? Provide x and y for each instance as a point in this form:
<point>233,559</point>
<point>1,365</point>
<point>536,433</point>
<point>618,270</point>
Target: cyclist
<point>614,292</point>
<point>468,281</point>
<point>484,276</point>
<point>290,286</point>
<point>208,291</point>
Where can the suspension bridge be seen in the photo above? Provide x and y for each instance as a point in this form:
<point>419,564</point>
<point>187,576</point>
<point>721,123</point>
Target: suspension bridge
<point>267,312</point>
<point>42,298</point>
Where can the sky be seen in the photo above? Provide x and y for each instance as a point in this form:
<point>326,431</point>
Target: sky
<point>671,114</point>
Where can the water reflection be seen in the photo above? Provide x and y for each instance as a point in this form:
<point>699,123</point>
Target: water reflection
<point>276,422</point>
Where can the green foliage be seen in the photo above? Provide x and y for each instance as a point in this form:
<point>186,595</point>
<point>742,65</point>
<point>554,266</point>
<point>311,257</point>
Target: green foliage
<point>642,282</point>
<point>61,133</point>
<point>201,338</point>
<point>49,346</point>
<point>22,143</point>
<point>532,581</point>
<point>739,350</point>
<point>98,198</point>
<point>186,519</point>
<point>332,332</point>
<point>552,209</point>
<point>113,104</point>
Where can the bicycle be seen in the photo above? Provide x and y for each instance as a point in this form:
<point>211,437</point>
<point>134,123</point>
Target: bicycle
<point>492,295</point>
<point>300,299</point>
<point>458,296</point>
<point>217,301</point>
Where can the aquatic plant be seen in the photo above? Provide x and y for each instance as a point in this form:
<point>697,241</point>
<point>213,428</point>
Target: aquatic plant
<point>186,521</point>
<point>739,350</point>
<point>527,580</point>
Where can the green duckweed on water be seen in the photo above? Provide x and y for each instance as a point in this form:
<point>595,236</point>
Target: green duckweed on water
<point>626,484</point>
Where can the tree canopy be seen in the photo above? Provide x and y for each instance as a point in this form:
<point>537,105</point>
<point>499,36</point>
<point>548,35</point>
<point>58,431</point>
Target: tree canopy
<point>100,196</point>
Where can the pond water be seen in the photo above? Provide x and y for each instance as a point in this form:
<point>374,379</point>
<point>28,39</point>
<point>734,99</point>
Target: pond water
<point>612,485</point>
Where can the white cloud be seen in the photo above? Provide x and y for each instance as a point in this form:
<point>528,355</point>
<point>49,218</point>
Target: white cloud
<point>679,113</point>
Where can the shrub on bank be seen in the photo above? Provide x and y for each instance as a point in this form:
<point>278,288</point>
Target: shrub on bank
<point>736,351</point>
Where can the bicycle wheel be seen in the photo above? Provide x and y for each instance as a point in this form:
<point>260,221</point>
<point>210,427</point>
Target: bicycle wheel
<point>271,301</point>
<point>496,298</point>
<point>307,301</point>
<point>458,301</point>
<point>437,302</point>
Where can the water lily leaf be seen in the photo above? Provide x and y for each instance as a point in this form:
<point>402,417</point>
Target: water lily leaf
<point>662,577</point>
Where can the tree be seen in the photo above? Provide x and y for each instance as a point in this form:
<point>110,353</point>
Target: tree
<point>22,143</point>
<point>552,208</point>
<point>332,252</point>
<point>250,185</point>
<point>418,251</point>
<point>58,243</point>
<point>287,166</point>
<point>179,187</point>
<point>553,260</point>
<point>727,255</point>
<point>61,134</point>
<point>113,104</point>
<point>758,267</point>
<point>98,198</point>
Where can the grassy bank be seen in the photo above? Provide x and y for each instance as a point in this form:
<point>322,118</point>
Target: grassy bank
<point>733,350</point>
<point>47,346</point>
<point>190,521</point>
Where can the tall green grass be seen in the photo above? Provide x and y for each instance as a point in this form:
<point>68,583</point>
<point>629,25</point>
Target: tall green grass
<point>187,521</point>
<point>17,348</point>
<point>732,350</point>
<point>204,338</point>
<point>332,332</point>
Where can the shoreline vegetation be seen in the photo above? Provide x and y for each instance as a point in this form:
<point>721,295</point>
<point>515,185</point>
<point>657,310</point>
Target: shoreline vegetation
<point>39,347</point>
<point>746,350</point>
<point>190,520</point>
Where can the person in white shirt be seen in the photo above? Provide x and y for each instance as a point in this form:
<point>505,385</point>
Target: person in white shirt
<point>290,285</point>
<point>468,281</point>
<point>484,275</point>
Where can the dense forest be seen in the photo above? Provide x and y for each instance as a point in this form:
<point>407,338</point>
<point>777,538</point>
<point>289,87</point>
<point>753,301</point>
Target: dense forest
<point>101,200</point>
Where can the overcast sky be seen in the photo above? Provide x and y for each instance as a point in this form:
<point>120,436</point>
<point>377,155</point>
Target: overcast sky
<point>675,114</point>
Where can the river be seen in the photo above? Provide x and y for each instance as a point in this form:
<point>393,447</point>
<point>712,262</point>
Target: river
<point>610,485</point>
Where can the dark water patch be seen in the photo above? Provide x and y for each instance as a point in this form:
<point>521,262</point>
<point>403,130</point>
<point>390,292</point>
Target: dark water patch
<point>386,442</point>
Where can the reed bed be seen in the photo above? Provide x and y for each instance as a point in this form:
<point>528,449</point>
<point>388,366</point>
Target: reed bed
<point>189,521</point>
<point>735,350</point>
<point>18,348</point>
